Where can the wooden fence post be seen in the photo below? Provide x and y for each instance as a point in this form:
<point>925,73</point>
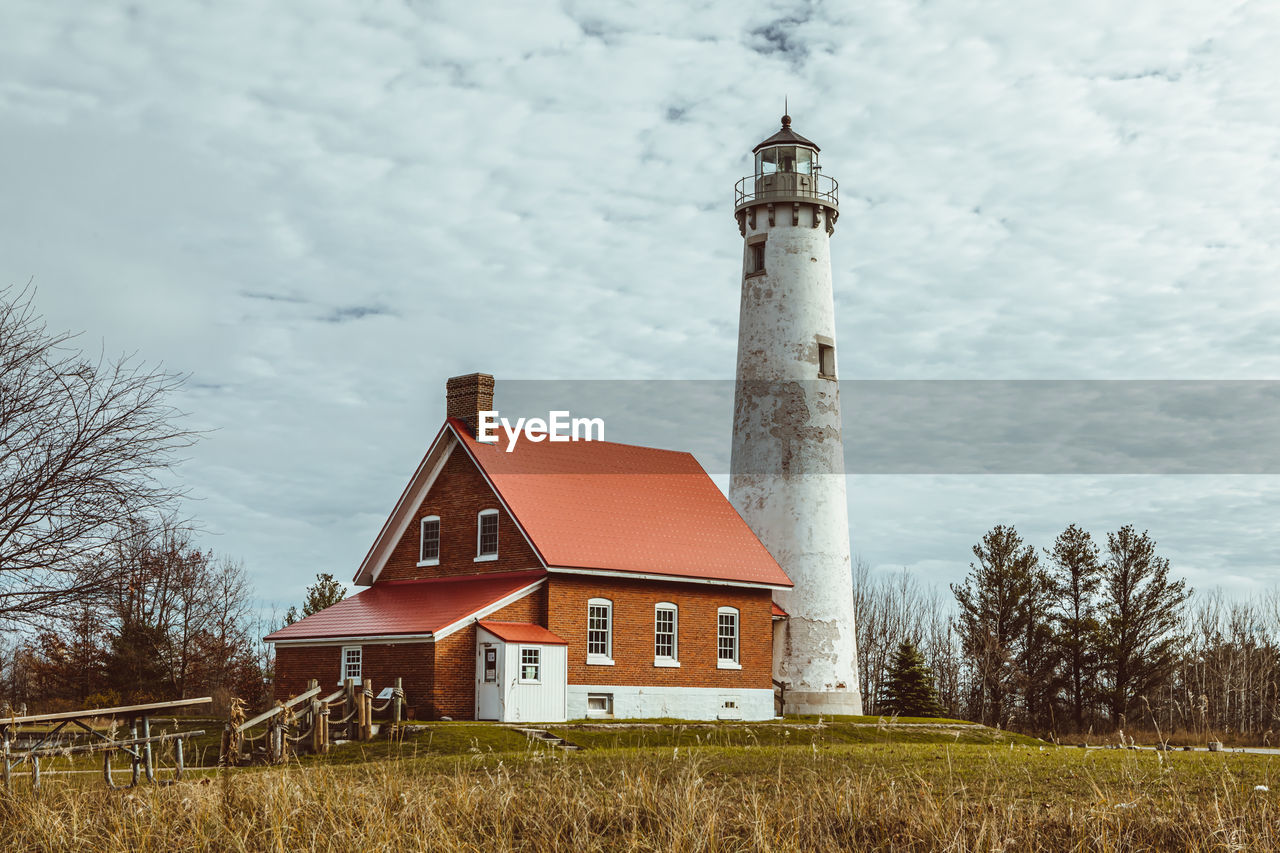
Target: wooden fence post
<point>367,732</point>
<point>324,729</point>
<point>315,727</point>
<point>349,706</point>
<point>397,705</point>
<point>359,718</point>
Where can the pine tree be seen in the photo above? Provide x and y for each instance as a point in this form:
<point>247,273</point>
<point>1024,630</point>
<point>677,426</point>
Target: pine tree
<point>1141,608</point>
<point>908,690</point>
<point>1075,575</point>
<point>997,611</point>
<point>325,592</point>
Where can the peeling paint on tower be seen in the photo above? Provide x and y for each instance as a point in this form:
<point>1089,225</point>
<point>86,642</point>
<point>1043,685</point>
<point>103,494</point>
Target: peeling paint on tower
<point>787,470</point>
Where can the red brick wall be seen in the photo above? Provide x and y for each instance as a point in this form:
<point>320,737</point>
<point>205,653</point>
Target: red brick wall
<point>455,688</point>
<point>439,678</point>
<point>450,694</point>
<point>413,663</point>
<point>457,496</point>
<point>633,603</point>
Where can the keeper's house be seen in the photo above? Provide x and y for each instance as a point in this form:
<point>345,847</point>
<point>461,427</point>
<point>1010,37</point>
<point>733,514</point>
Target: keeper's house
<point>557,581</point>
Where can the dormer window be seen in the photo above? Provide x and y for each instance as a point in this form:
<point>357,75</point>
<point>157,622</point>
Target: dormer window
<point>487,535</point>
<point>429,543</point>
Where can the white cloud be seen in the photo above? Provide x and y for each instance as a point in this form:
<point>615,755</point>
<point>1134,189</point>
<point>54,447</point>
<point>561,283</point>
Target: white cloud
<point>321,211</point>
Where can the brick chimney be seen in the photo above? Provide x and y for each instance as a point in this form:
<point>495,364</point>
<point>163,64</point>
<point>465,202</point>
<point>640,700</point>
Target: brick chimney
<point>467,396</point>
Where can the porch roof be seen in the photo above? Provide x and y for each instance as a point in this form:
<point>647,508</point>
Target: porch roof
<point>522,632</point>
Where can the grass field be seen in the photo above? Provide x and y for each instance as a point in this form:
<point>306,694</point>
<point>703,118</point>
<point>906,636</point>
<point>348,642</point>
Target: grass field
<point>793,786</point>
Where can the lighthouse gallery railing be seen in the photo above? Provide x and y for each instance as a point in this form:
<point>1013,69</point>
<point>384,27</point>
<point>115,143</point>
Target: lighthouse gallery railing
<point>788,185</point>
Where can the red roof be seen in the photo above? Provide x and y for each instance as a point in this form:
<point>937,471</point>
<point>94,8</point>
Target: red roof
<point>408,607</point>
<point>522,632</point>
<point>778,611</point>
<point>620,507</point>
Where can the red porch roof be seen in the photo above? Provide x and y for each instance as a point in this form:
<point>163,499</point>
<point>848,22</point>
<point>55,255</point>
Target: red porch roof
<point>408,607</point>
<point>522,632</point>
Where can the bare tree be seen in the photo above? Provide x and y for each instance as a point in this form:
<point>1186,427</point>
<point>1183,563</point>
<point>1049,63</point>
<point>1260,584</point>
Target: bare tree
<point>893,608</point>
<point>188,611</point>
<point>84,447</point>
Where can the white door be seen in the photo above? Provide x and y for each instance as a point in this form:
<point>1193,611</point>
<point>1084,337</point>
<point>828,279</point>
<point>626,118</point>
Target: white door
<point>489,666</point>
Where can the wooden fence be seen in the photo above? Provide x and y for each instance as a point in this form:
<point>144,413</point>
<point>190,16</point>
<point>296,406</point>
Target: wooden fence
<point>307,722</point>
<point>138,746</point>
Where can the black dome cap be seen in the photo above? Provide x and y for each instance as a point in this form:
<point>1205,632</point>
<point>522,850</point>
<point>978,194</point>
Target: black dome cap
<point>786,136</point>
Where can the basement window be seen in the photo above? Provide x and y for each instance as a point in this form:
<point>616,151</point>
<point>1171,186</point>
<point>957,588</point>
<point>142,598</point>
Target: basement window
<point>487,535</point>
<point>599,704</point>
<point>429,547</point>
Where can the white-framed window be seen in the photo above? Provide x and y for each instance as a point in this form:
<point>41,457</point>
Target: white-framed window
<point>727,638</point>
<point>487,535</point>
<point>666,624</point>
<point>429,541</point>
<point>600,631</point>
<point>530,665</point>
<point>352,663</point>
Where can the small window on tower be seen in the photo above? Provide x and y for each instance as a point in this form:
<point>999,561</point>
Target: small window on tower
<point>826,361</point>
<point>755,257</point>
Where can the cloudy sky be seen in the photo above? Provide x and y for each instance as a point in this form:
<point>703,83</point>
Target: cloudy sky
<point>322,210</point>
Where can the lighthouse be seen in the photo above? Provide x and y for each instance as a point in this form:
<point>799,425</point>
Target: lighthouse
<point>787,468</point>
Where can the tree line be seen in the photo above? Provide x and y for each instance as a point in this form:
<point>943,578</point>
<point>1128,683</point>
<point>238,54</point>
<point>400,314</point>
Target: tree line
<point>105,596</point>
<point>1080,636</point>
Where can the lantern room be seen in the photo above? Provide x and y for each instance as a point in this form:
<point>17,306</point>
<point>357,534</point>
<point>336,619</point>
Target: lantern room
<point>786,170</point>
<point>787,152</point>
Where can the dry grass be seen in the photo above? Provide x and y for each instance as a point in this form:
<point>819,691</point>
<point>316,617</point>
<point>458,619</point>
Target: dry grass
<point>900,797</point>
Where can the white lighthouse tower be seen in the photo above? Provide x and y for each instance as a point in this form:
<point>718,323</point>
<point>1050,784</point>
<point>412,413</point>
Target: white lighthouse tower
<point>787,470</point>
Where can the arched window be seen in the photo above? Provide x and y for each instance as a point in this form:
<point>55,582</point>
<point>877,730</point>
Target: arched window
<point>429,541</point>
<point>727,638</point>
<point>600,631</point>
<point>487,535</point>
<point>666,627</point>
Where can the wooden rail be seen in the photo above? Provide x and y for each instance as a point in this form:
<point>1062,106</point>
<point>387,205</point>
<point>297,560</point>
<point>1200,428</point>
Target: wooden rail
<point>310,724</point>
<point>279,709</point>
<point>84,748</point>
<point>98,713</point>
<point>137,747</point>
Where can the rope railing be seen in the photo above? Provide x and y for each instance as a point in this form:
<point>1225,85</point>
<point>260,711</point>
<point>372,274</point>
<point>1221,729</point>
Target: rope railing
<point>349,706</point>
<point>396,693</point>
